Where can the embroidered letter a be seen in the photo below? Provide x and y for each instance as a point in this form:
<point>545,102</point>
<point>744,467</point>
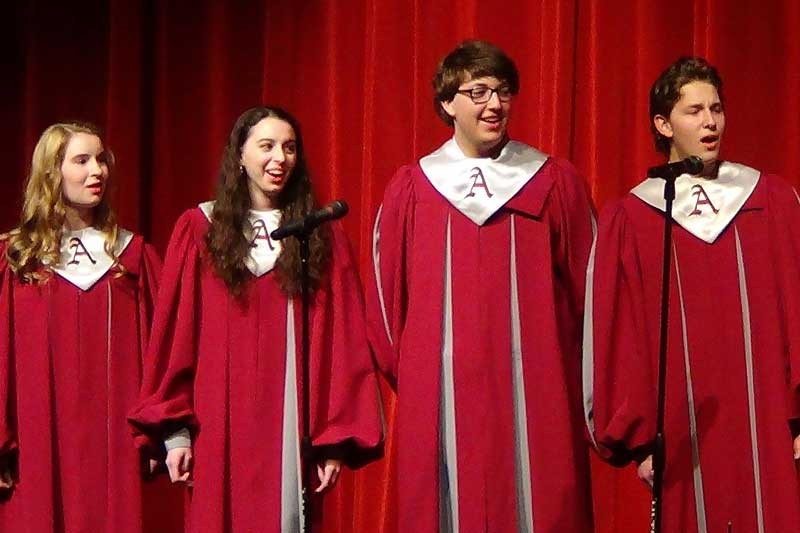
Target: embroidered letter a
<point>702,199</point>
<point>478,182</point>
<point>260,232</point>
<point>79,249</point>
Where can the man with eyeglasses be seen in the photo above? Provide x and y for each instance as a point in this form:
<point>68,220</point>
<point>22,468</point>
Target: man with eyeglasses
<point>475,307</point>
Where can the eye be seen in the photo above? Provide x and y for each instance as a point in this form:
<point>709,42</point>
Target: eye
<point>267,147</point>
<point>291,148</point>
<point>82,160</point>
<point>504,91</point>
<point>479,92</point>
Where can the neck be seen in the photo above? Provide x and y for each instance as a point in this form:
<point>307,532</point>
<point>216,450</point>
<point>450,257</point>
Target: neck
<point>261,201</point>
<point>470,150</point>
<point>78,218</point>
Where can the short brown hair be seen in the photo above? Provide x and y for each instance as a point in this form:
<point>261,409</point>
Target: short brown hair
<point>666,90</point>
<point>469,60</point>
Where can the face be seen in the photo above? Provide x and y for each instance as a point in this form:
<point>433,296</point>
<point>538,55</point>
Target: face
<point>84,172</point>
<point>696,123</point>
<point>268,156</point>
<point>479,128</point>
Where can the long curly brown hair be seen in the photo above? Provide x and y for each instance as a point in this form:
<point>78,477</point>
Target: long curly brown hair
<point>228,238</point>
<point>34,246</point>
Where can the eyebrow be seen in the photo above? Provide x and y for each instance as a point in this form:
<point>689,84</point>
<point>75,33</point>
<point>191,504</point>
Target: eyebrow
<point>266,139</point>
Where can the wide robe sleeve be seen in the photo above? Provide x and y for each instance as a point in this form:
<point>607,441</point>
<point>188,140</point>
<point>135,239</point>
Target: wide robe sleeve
<point>8,436</point>
<point>166,399</point>
<point>346,407</point>
<point>149,277</point>
<point>785,201</point>
<point>387,286</point>
<point>619,368</point>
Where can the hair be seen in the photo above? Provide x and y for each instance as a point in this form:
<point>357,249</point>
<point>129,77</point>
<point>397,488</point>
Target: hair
<point>469,60</point>
<point>666,91</point>
<point>228,237</point>
<point>35,245</point>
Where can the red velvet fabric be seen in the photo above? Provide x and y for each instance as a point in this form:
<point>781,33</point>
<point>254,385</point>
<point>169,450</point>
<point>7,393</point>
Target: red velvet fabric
<point>167,79</point>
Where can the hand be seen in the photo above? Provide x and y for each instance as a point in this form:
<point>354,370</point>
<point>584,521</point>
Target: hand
<point>6,481</point>
<point>328,474</point>
<point>796,447</point>
<point>179,465</point>
<point>645,470</point>
<point>152,465</point>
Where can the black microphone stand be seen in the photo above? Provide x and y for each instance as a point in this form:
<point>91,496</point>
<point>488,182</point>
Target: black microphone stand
<point>306,452</point>
<point>659,451</point>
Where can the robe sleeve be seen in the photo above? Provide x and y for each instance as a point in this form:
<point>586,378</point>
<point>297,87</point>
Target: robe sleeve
<point>8,436</point>
<point>620,393</point>
<point>346,405</point>
<point>387,286</point>
<point>149,276</point>
<point>786,220</point>
<point>576,228</point>
<point>166,398</point>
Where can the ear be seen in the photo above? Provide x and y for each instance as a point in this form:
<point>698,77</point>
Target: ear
<point>448,108</point>
<point>663,126</point>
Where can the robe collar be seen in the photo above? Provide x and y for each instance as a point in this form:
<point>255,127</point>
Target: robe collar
<point>479,187</point>
<point>263,250</point>
<point>704,207</point>
<point>84,260</point>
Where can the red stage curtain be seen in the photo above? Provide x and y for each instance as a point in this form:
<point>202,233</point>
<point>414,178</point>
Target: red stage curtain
<point>167,79</point>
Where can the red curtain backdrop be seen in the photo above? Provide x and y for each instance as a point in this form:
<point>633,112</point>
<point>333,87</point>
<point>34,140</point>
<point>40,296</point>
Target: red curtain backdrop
<point>166,80</point>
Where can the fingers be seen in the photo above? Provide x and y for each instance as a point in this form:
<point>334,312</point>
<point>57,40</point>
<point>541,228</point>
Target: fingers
<point>645,471</point>
<point>179,464</point>
<point>6,481</point>
<point>796,448</point>
<point>152,465</point>
<point>328,476</point>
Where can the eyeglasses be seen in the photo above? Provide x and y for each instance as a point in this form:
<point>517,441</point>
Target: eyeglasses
<point>481,94</point>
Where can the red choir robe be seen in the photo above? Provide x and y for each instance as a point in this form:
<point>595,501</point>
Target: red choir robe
<point>228,370</point>
<point>733,363</point>
<point>474,309</point>
<point>70,363</point>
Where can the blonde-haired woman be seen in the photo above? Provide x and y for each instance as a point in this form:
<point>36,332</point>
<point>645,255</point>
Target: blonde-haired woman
<point>75,300</point>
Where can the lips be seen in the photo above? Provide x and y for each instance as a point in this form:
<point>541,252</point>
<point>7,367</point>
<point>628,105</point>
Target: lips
<point>710,139</point>
<point>95,187</point>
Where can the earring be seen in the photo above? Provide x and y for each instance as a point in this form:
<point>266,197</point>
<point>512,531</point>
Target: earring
<point>241,169</point>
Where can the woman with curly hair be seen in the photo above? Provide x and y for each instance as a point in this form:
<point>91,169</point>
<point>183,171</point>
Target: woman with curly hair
<point>220,387</point>
<point>76,294</point>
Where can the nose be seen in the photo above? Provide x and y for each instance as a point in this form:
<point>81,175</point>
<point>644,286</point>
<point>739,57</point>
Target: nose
<point>494,101</point>
<point>710,119</point>
<point>95,169</point>
<point>279,155</point>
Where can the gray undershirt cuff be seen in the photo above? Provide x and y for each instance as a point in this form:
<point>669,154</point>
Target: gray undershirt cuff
<point>180,439</point>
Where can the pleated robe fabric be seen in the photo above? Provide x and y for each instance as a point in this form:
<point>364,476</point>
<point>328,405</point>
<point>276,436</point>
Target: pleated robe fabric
<point>733,362</point>
<point>228,369</point>
<point>478,327</point>
<point>70,369</point>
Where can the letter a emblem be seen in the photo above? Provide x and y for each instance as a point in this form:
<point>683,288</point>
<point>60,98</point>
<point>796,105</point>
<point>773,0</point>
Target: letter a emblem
<point>702,199</point>
<point>478,182</point>
<point>79,249</point>
<point>260,233</point>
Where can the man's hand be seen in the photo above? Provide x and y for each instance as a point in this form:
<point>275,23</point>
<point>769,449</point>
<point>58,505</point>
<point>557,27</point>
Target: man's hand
<point>646,473</point>
<point>179,465</point>
<point>328,474</point>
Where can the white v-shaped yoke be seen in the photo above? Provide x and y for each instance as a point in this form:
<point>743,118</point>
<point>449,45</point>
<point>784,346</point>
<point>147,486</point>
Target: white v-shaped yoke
<point>479,187</point>
<point>263,250</point>
<point>84,259</point>
<point>704,207</point>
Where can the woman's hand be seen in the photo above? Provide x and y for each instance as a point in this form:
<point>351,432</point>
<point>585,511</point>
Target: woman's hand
<point>179,465</point>
<point>328,473</point>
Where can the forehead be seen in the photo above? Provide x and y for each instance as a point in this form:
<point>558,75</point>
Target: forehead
<point>698,92</point>
<point>491,81</point>
<point>83,143</point>
<point>272,128</point>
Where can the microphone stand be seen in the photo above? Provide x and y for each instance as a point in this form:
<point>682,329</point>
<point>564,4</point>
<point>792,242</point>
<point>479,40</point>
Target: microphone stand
<point>306,452</point>
<point>659,452</point>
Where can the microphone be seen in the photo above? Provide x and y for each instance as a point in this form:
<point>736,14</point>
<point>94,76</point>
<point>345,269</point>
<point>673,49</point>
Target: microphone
<point>334,210</point>
<point>690,165</point>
